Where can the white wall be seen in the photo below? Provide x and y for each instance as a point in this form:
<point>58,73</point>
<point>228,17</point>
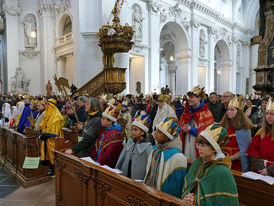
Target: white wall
<point>88,16</point>
<point>137,73</point>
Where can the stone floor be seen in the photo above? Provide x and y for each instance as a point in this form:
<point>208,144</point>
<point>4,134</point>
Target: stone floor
<point>12,194</point>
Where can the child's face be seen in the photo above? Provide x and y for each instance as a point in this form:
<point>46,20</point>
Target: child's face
<point>205,150</point>
<point>123,109</point>
<point>137,132</point>
<point>160,137</point>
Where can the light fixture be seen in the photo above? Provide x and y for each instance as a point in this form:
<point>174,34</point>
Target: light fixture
<point>171,58</point>
<point>219,72</point>
<point>33,34</point>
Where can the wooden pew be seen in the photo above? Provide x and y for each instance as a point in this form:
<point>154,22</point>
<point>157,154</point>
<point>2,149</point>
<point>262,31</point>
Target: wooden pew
<point>14,147</point>
<point>93,185</point>
<point>71,135</point>
<point>81,183</point>
<point>253,192</point>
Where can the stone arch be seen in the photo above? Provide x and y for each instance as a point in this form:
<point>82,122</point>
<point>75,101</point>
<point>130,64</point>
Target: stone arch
<point>252,8</point>
<point>222,67</point>
<point>63,24</point>
<point>178,66</point>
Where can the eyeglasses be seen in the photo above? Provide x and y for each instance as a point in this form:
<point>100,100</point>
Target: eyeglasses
<point>201,145</point>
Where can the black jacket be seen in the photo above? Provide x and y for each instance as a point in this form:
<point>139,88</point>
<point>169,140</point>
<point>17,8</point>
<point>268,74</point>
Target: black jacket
<point>90,134</point>
<point>216,110</point>
<point>81,114</point>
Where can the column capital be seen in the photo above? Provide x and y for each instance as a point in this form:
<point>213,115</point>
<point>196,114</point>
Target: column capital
<point>12,8</point>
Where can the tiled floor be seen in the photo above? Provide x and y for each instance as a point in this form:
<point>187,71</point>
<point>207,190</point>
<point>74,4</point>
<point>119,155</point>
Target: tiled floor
<point>16,195</point>
<point>7,184</point>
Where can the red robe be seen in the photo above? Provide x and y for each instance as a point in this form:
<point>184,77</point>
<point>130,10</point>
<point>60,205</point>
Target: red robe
<point>262,148</point>
<point>232,148</point>
<point>111,147</point>
<point>202,117</point>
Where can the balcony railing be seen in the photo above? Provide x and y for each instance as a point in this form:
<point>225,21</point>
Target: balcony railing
<point>67,38</point>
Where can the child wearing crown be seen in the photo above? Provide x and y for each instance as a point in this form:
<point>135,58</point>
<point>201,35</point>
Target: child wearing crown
<point>109,143</point>
<point>133,159</point>
<point>166,167</point>
<point>195,119</point>
<point>238,127</point>
<point>261,148</point>
<point>209,180</point>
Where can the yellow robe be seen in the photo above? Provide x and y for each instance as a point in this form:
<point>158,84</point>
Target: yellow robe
<point>51,127</point>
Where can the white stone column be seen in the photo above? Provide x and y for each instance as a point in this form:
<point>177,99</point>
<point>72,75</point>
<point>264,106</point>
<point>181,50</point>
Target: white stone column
<point>211,62</point>
<point>183,71</point>
<point>47,43</point>
<point>194,53</point>
<point>11,9</point>
<point>253,64</point>
<point>233,71</point>
<point>172,84</point>
<point>246,66</point>
<point>154,55</point>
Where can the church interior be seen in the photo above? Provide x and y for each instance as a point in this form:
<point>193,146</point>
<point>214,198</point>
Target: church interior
<point>136,102</point>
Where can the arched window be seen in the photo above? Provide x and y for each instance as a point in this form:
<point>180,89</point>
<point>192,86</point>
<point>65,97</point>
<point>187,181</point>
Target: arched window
<point>67,26</point>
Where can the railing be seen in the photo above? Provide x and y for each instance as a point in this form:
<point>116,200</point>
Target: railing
<point>91,88</point>
<point>67,38</point>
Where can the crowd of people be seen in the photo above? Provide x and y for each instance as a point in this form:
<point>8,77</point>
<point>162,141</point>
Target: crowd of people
<point>161,136</point>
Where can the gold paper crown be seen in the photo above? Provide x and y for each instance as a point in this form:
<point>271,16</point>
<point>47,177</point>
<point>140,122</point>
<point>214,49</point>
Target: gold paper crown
<point>237,102</point>
<point>144,121</point>
<point>111,113</point>
<point>198,91</point>
<point>161,97</point>
<point>270,105</point>
<point>167,99</point>
<point>142,124</point>
<point>167,129</point>
<point>26,96</point>
<point>214,133</point>
<point>34,101</point>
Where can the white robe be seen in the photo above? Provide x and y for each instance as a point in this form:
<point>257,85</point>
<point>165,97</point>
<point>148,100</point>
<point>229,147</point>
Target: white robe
<point>165,111</point>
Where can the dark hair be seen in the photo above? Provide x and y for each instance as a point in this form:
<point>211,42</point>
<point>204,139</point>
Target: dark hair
<point>213,93</point>
<point>94,104</point>
<point>265,99</point>
<point>202,140</point>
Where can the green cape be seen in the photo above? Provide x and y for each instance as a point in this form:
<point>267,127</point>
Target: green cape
<point>212,183</point>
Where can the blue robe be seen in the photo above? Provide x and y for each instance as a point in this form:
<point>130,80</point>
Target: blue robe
<point>171,166</point>
<point>24,119</point>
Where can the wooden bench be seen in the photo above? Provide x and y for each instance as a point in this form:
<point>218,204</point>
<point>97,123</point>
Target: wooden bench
<point>93,185</point>
<point>14,147</point>
<point>253,192</point>
<point>82,183</point>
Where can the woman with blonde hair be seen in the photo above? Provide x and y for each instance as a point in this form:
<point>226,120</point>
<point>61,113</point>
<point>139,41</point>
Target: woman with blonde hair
<point>238,127</point>
<point>261,148</point>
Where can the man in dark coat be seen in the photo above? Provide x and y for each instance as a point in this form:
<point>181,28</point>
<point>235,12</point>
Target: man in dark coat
<point>215,107</point>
